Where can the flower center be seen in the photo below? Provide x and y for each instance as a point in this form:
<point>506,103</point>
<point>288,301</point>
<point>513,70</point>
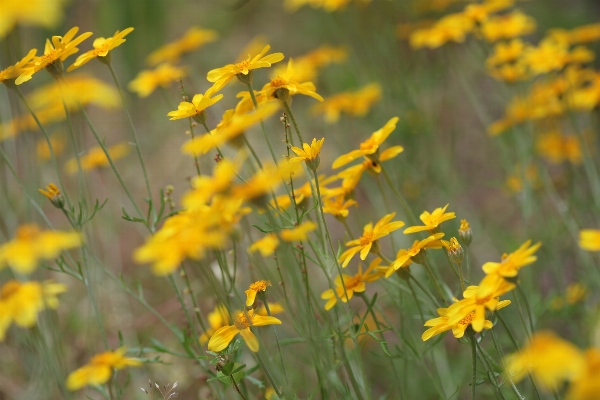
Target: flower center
<point>260,286</point>
<point>9,289</point>
<point>242,322</point>
<point>366,238</point>
<point>278,82</point>
<point>369,145</point>
<point>483,300</point>
<point>50,56</point>
<point>27,232</point>
<point>467,320</point>
<point>101,49</point>
<point>242,66</point>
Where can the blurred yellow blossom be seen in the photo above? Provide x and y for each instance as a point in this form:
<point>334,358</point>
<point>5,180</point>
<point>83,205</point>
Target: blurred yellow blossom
<point>12,72</point>
<point>556,147</point>
<point>338,206</point>
<point>100,369</point>
<point>450,28</point>
<point>586,385</point>
<point>164,75</point>
<point>265,245</point>
<point>196,108</point>
<point>95,158</point>
<point>589,239</point>
<point>216,319</point>
<point>32,245</point>
<point>355,103</point>
<point>508,26</point>
<point>511,263</point>
<point>352,284</point>
<point>58,143</point>
<point>285,85</point>
<point>45,13</point>
<point>171,52</point>
<point>581,34</point>
<point>298,233</point>
<point>223,336</point>
<point>101,48</point>
<point>306,67</point>
<point>21,302</point>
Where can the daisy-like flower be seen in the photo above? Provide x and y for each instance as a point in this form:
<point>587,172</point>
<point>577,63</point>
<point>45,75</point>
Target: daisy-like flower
<point>547,357</point>
<point>298,233</point>
<point>308,153</point>
<point>370,146</point>
<point>265,245</point>
<point>265,180</point>
<point>52,192</point>
<point>589,239</point>
<point>21,302</point>
<point>216,319</point>
<point>45,13</point>
<point>12,72</point>
<point>507,26</point>
<point>355,103</point>
<point>432,220</point>
<point>223,336</point>
<point>193,39</point>
<point>511,263</point>
<point>370,235</point>
<point>243,70</point>
<point>164,75</point>
<point>284,85</point>
<point>351,175</point>
<point>195,109</point>
<point>55,53</point>
<point>451,319</point>
<point>258,287</point>
<point>269,243</point>
<point>102,46</point>
<point>432,242</point>
<point>338,206</point>
<point>356,283</point>
<point>100,369</point>
<point>31,245</point>
<point>96,158</point>
<point>586,385</point>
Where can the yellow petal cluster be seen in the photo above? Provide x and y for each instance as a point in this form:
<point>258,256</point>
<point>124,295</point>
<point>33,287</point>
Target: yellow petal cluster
<point>100,369</point>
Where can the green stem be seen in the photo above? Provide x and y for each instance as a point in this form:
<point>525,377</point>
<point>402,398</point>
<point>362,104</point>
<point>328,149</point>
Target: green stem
<point>268,373</point>
<point>287,382</point>
<point>288,110</point>
<point>416,300</point>
<point>403,203</point>
<point>262,124</point>
<point>474,363</point>
<point>512,384</point>
<point>435,282</point>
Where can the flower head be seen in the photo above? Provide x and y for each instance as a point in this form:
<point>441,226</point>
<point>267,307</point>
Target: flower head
<point>585,385</point>
<point>370,235</point>
<point>216,319</point>
<point>223,336</point>
<point>46,13</point>
<point>96,158</point>
<point>298,233</point>
<point>451,319</point>
<point>12,72</point>
<point>432,220</point>
<point>338,206</point>
<point>356,283</point>
<point>21,302</point>
<point>164,75</point>
<point>507,26</point>
<point>191,40</point>
<point>32,245</point>
<point>222,76</point>
<point>431,242</point>
<point>308,153</point>
<point>52,192</point>
<point>284,85</point>
<point>99,370</point>
<point>464,232</point>
<point>196,108</point>
<point>258,287</point>
<point>589,239</point>
<point>265,245</point>
<point>355,103</point>
<point>101,48</point>
<point>511,263</point>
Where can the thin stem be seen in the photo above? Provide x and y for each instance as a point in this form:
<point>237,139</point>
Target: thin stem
<point>262,124</point>
<point>237,389</point>
<point>474,363</point>
<point>403,203</point>
<point>435,282</point>
<point>268,373</point>
<point>520,290</point>
<point>512,384</point>
<point>288,110</point>
<point>416,300</point>
<point>287,382</point>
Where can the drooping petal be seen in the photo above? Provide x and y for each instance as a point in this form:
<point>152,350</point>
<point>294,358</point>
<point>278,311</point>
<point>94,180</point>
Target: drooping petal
<point>250,339</point>
<point>222,337</point>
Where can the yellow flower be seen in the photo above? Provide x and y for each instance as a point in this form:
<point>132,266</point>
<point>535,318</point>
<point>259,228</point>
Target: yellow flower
<point>575,293</point>
<point>100,369</point>
<point>216,319</point>
<point>196,107</point>
<point>101,48</point>
<point>254,289</point>
<point>308,153</point>
<point>356,283</point>
<point>432,221</point>
<point>443,324</point>
<point>299,233</point>
<point>233,125</point>
<point>355,103</point>
<point>52,192</point>
<point>285,85</point>
<point>31,245</point>
<point>511,263</point>
<point>556,148</point>
<point>265,245</point>
<point>245,105</point>
<point>548,358</point>
<point>46,13</point>
<point>450,28</point>
<point>552,55</point>
<point>580,34</point>
<point>506,52</point>
<point>338,206</point>
<point>464,232</point>
<point>55,53</point>
<point>586,385</point>
<point>43,151</point>
<point>307,66</point>
<point>95,158</point>
<point>589,239</point>
<point>223,336</point>
<point>21,302</point>
<point>13,71</point>
<point>507,26</point>
<point>370,146</point>
<point>265,180</point>
<point>404,256</point>
<point>351,175</point>
<point>370,234</point>
<point>191,40</point>
<point>164,75</point>
<point>205,187</point>
<point>222,76</point>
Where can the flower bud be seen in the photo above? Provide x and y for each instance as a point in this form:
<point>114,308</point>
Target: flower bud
<point>464,232</point>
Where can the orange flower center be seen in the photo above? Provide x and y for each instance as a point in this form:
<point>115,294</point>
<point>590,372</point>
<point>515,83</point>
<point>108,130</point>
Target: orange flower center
<point>369,145</point>
<point>260,286</point>
<point>243,65</point>
<point>9,289</point>
<point>278,82</point>
<point>467,320</point>
<point>53,55</point>
<point>366,238</point>
<point>483,300</point>
<point>27,232</point>
<point>241,322</point>
<point>102,49</point>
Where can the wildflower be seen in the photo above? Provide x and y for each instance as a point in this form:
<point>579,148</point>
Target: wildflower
<point>548,358</point>
<point>265,245</point>
<point>356,283</point>
<point>31,245</point>
<point>511,263</point>
<point>575,293</point>
<point>256,288</point>
<point>589,239</point>
<point>47,13</point>
<point>223,336</point>
<point>55,53</point>
<point>96,158</point>
<point>264,180</point>
<point>243,70</point>
<point>464,232</point>
<point>585,385</point>
<point>450,28</point>
<point>351,175</point>
<point>195,109</point>
<point>308,153</point>
<point>515,183</point>
<point>284,201</point>
<point>552,55</point>
<point>455,251</point>
<point>506,52</point>
<point>556,148</point>
<point>285,85</point>
<point>507,26</point>
<point>191,40</point>
<point>370,146</point>
<point>580,34</point>
<point>355,103</point>
<point>432,220</point>
<point>245,105</point>
<point>12,72</point>
<point>164,75</point>
<point>338,206</point>
<point>369,237</point>
<point>52,192</point>
<point>100,369</point>
<point>205,187</point>
<point>101,48</point>
<point>233,126</point>
<point>299,233</point>
<point>216,319</point>
<point>306,67</point>
<point>413,254</point>
<point>21,302</point>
